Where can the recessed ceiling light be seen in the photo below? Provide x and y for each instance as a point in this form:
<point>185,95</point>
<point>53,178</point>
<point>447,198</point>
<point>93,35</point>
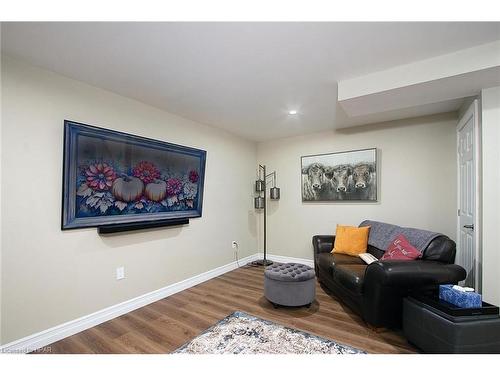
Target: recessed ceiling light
<point>292,112</point>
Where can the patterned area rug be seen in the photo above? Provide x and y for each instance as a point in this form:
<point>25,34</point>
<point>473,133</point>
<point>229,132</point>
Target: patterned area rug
<point>241,333</point>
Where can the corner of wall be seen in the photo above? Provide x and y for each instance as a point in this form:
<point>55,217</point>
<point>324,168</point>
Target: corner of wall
<point>490,127</point>
<point>74,272</point>
<point>1,306</point>
<point>417,142</point>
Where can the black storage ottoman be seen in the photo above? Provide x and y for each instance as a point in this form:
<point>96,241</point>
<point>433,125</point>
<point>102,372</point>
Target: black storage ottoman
<point>430,331</point>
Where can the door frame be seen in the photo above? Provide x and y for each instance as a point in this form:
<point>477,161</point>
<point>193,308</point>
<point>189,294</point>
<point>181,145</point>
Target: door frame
<point>472,111</point>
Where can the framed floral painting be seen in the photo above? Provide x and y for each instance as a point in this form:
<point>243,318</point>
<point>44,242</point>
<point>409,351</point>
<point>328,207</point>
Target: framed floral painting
<point>111,177</point>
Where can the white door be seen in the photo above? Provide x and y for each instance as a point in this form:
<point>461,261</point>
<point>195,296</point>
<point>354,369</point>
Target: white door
<point>467,244</point>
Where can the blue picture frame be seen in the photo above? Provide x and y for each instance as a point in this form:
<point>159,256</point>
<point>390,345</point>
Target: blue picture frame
<point>110,177</point>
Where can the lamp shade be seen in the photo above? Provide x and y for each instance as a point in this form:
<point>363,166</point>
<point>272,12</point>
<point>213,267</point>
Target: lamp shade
<point>274,193</point>
<point>259,186</point>
<point>259,202</point>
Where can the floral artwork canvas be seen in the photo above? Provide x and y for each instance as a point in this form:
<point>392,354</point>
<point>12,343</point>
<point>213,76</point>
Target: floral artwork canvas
<point>112,177</point>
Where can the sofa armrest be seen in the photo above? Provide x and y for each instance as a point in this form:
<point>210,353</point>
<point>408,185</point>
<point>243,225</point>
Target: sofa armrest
<point>413,273</point>
<point>386,283</point>
<point>323,243</point>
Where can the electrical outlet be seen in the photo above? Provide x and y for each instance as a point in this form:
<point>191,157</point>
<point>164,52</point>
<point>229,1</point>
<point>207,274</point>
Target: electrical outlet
<point>120,273</point>
<point>234,245</point>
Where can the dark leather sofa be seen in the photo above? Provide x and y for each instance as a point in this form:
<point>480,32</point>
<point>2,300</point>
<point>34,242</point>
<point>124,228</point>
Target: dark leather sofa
<point>376,291</point>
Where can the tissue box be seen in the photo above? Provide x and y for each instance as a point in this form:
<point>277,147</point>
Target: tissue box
<point>461,299</point>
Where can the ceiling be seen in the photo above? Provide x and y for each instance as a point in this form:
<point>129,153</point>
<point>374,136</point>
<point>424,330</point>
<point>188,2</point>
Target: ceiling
<point>243,77</point>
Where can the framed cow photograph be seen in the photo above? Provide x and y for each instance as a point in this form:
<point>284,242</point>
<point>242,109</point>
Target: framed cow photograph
<point>340,176</point>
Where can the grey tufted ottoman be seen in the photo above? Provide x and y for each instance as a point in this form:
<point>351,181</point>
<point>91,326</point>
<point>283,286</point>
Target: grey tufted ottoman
<point>289,284</point>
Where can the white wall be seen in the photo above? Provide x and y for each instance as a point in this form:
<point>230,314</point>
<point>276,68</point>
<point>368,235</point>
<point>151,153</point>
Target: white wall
<point>417,173</point>
<point>1,199</point>
<point>490,112</point>
<point>49,276</point>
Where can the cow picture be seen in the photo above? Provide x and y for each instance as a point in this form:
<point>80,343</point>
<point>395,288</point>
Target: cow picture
<point>340,176</point>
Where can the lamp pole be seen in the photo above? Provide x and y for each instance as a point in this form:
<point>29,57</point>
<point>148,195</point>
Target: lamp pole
<point>261,202</point>
<point>265,218</point>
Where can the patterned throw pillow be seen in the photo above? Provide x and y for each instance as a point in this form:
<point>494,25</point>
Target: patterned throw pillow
<point>401,249</point>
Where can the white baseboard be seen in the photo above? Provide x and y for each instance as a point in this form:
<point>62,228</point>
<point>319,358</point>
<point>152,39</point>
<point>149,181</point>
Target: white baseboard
<point>285,259</point>
<point>51,335</point>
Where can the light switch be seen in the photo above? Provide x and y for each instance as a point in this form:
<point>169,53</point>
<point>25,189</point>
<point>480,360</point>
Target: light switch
<point>120,273</point>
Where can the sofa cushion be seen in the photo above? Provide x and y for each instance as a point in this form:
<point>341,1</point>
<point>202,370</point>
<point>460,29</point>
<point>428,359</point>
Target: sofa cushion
<point>441,249</point>
<point>350,276</point>
<point>326,261</point>
<point>376,252</point>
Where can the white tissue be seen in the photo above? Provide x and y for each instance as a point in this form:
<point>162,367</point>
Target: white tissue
<point>463,288</point>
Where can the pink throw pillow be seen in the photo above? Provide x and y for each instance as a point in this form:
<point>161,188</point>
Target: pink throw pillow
<point>401,249</point>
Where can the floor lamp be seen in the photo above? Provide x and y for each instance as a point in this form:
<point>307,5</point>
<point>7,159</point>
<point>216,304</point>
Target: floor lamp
<point>260,203</point>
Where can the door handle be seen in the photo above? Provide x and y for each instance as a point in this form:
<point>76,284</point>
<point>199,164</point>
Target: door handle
<point>471,226</point>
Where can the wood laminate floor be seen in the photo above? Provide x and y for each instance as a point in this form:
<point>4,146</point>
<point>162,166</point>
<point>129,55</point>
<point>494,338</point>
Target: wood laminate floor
<point>163,326</point>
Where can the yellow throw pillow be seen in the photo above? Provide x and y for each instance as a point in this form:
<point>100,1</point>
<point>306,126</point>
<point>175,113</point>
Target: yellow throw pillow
<point>351,240</point>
